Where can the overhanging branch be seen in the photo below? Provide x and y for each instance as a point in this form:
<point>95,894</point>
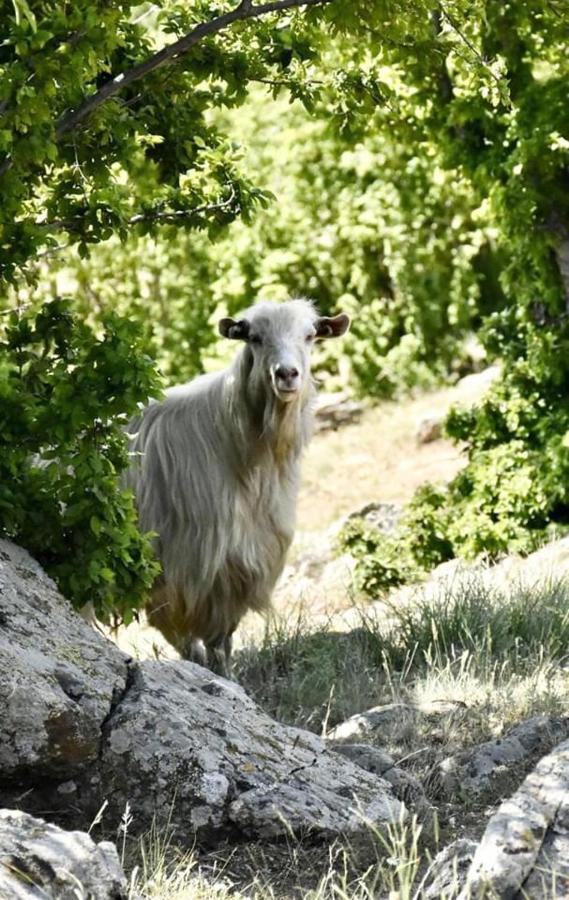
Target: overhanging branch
<point>151,215</point>
<point>246,10</point>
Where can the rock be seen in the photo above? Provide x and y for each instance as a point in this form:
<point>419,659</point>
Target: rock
<point>208,758</point>
<point>383,516</point>
<point>58,677</point>
<point>368,757</point>
<point>317,575</point>
<point>448,871</point>
<point>524,852</point>
<point>42,860</point>
<point>406,786</point>
<point>382,722</point>
<point>82,724</point>
<point>429,428</point>
<point>474,386</point>
<point>475,770</point>
<point>335,410</point>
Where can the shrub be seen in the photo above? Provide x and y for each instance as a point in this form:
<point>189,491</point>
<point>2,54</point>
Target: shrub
<point>65,393</point>
<point>382,561</point>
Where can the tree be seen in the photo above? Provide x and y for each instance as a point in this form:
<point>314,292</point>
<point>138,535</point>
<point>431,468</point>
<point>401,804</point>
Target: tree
<point>487,84</point>
<point>104,130</point>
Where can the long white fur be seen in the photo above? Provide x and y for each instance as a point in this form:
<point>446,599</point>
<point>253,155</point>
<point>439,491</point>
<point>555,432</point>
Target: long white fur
<point>216,476</point>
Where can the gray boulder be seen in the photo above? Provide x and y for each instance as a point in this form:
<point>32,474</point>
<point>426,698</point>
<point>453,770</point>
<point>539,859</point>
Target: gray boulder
<point>430,428</point>
<point>406,786</point>
<point>81,724</point>
<point>335,410</point>
<point>380,514</point>
<point>38,860</point>
<point>524,852</point>
<point>388,722</point>
<point>475,771</point>
<point>448,871</point>
<point>59,678</point>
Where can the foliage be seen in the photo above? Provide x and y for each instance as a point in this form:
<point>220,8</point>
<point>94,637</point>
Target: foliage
<point>90,153</point>
<point>64,393</point>
<point>427,193</point>
<point>382,561</point>
<point>364,224</point>
<point>508,138</point>
<point>493,104</point>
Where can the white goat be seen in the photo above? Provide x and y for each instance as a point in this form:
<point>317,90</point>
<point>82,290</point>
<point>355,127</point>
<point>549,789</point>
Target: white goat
<point>216,477</point>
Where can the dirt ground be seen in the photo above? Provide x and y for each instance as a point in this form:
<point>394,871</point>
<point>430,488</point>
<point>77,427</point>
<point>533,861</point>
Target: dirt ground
<point>379,458</point>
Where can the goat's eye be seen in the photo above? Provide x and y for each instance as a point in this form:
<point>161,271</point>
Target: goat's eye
<point>309,338</point>
<point>255,339</point>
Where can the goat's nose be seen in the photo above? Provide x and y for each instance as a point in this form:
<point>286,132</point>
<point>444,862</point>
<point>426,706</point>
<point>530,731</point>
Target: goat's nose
<point>287,373</point>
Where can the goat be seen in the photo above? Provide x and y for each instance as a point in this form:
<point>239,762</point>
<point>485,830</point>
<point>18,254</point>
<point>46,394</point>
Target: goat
<point>216,477</point>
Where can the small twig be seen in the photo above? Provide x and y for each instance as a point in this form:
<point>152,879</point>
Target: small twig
<point>405,758</point>
<point>177,214</point>
<point>8,312</point>
<point>172,215</point>
<point>452,22</point>
<point>147,12</point>
<point>285,82</point>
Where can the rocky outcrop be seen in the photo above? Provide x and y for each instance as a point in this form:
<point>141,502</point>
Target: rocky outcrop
<point>475,770</point>
<point>524,851</point>
<point>58,677</point>
<point>38,860</point>
<point>447,873</point>
<point>81,724</point>
<point>335,410</point>
<point>406,786</point>
<point>381,723</point>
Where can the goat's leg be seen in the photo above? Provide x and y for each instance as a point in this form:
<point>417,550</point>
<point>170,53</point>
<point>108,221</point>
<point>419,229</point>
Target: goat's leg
<point>219,654</point>
<point>194,650</point>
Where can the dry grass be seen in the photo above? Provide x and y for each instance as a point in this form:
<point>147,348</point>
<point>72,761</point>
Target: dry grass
<point>472,658</point>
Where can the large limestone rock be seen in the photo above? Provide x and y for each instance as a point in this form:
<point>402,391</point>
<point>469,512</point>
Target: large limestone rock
<point>38,860</point>
<point>81,724</point>
<point>58,677</point>
<point>524,852</point>
<point>475,770</point>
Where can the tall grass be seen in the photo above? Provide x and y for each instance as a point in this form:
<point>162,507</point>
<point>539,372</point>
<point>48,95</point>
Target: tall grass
<point>490,657</point>
<point>475,639</point>
<point>472,615</point>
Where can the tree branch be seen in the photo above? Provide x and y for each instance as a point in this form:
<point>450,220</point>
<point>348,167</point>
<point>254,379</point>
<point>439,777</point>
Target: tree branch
<point>152,215</point>
<point>245,10</point>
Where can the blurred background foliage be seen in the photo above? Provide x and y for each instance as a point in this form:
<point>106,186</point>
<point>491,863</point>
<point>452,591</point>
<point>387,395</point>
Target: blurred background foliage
<point>407,162</point>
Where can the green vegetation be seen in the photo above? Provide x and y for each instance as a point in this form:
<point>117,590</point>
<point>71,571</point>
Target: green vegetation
<point>406,162</point>
<point>467,635</point>
<point>65,394</point>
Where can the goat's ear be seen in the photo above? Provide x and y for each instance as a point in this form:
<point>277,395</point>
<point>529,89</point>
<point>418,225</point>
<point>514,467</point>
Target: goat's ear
<point>332,326</point>
<point>235,329</point>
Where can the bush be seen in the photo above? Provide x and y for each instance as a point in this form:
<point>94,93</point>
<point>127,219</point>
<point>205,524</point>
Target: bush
<point>65,393</point>
<point>382,561</point>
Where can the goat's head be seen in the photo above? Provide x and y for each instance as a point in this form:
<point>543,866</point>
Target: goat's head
<point>279,337</point>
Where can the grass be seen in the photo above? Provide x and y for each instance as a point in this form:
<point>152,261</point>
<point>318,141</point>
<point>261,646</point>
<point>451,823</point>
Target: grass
<point>167,874</point>
<point>469,660</point>
<point>469,643</point>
